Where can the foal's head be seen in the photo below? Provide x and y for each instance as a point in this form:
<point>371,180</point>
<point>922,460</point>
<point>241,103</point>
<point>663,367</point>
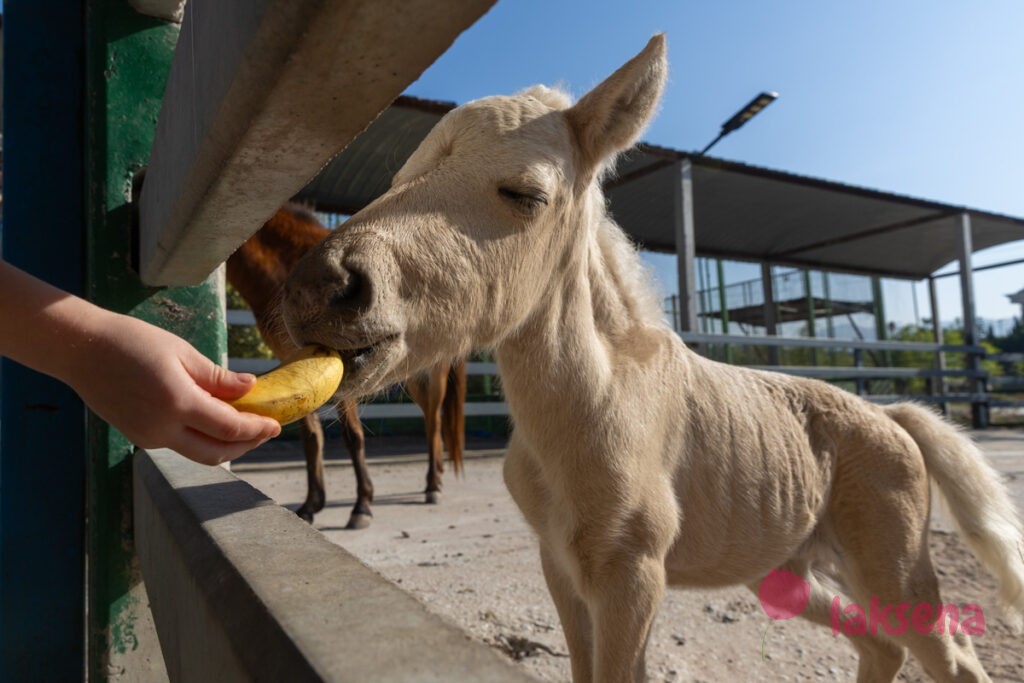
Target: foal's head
<point>499,200</point>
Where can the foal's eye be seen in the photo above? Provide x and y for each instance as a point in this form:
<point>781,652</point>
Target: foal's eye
<point>529,200</point>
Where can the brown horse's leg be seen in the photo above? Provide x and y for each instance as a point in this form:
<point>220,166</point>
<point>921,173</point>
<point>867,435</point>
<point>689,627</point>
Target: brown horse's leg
<point>352,431</point>
<point>453,414</point>
<point>313,446</point>
<point>428,391</point>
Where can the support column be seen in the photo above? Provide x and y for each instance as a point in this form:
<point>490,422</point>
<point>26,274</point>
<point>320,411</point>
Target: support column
<point>878,300</point>
<point>972,361</point>
<point>812,324</point>
<point>128,58</point>
<point>685,248</point>
<point>830,327</point>
<point>42,440</point>
<point>881,329</point>
<point>770,317</point>
<point>938,383</point>
<point>723,306</point>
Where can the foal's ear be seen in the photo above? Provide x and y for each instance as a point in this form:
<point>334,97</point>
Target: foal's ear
<point>612,116</point>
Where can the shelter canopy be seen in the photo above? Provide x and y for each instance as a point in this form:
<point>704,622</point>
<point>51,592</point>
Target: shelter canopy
<point>740,212</point>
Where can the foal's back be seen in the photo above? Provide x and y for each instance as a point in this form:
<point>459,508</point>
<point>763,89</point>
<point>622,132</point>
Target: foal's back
<point>762,453</point>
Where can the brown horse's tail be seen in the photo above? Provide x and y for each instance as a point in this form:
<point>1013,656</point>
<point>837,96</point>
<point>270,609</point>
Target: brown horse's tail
<point>977,499</point>
<point>453,414</point>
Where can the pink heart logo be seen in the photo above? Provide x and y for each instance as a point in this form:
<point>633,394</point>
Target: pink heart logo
<point>783,594</point>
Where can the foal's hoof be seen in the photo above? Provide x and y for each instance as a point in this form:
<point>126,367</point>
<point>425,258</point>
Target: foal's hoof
<point>305,514</point>
<point>359,521</point>
<point>433,497</point>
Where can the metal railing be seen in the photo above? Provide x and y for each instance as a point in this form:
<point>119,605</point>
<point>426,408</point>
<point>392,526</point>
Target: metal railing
<point>863,366</point>
<point>973,389</point>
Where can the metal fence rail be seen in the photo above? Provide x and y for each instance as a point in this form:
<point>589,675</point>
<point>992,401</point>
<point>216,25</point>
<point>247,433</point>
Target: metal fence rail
<point>977,392</point>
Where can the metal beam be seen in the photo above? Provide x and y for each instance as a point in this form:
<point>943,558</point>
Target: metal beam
<point>978,269</point>
<point>870,232</point>
<point>685,247</point>
<point>261,95</point>
<point>965,246</point>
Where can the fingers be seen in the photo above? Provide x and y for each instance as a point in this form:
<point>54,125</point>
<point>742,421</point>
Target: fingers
<point>216,419</point>
<point>217,380</point>
<point>209,451</point>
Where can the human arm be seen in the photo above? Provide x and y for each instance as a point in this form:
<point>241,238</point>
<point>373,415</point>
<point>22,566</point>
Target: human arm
<point>153,386</point>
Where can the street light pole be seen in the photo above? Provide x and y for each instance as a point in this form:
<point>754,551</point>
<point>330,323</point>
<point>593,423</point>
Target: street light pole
<point>742,116</point>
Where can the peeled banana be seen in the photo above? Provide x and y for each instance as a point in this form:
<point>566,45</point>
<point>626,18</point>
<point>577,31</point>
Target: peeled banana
<point>297,387</point>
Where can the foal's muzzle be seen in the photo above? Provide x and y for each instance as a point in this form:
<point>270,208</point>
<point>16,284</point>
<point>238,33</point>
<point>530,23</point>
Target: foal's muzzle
<point>323,288</point>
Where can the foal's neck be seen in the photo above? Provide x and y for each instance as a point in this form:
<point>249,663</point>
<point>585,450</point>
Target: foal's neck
<point>566,357</point>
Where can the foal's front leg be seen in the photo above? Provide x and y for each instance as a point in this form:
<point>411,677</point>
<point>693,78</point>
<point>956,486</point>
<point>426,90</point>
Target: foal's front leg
<point>611,645</point>
<point>623,599</point>
<point>572,612</point>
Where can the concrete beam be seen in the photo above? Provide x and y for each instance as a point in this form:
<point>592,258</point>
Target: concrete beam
<point>241,589</point>
<point>261,95</point>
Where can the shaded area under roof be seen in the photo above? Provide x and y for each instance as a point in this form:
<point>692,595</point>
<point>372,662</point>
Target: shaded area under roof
<point>741,212</point>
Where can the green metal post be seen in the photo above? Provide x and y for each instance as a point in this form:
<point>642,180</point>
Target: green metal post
<point>829,324</point>
<point>128,58</point>
<point>876,297</point>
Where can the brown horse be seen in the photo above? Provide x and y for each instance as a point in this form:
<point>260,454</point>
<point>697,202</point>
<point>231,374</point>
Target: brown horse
<point>257,270</point>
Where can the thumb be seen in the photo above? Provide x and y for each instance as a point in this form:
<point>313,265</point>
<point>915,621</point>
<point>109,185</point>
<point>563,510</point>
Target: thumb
<point>217,380</point>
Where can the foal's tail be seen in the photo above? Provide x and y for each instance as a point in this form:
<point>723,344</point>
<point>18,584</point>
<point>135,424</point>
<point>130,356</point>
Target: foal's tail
<point>980,505</point>
<point>453,414</point>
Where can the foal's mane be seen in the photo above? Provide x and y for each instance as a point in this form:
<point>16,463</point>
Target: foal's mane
<point>633,280</point>
<point>630,277</point>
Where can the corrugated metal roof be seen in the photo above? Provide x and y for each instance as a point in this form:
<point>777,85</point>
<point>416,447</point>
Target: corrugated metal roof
<point>740,211</point>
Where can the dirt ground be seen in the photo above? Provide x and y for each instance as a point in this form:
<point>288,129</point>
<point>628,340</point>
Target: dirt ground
<point>473,560</point>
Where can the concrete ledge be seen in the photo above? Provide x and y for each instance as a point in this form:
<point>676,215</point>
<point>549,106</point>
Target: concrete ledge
<point>260,96</point>
<point>243,590</point>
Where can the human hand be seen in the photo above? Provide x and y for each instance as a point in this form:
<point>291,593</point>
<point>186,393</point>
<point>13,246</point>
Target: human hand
<point>160,392</point>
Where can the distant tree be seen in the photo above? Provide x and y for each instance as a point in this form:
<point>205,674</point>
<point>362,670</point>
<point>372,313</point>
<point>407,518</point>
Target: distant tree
<point>956,336</point>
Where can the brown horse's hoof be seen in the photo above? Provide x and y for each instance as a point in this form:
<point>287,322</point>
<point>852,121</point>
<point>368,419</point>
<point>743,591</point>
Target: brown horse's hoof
<point>359,521</point>
<point>433,497</point>
<point>305,514</point>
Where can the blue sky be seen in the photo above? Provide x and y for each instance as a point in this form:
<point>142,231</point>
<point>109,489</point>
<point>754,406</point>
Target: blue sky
<point>914,97</point>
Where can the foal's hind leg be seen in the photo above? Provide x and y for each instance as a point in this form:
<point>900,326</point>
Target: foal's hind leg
<point>944,657</point>
<point>879,660</point>
<point>879,513</point>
